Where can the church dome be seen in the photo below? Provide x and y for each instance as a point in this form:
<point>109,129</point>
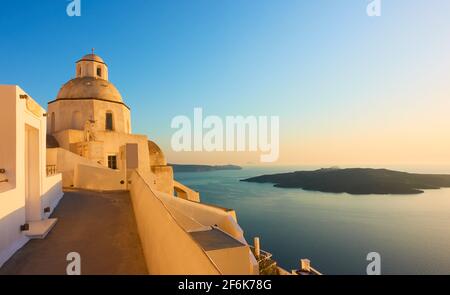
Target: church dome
<point>89,88</point>
<point>92,57</point>
<point>157,157</point>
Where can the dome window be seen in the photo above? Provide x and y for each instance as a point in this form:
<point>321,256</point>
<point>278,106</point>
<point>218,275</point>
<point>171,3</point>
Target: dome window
<point>109,121</point>
<point>99,71</point>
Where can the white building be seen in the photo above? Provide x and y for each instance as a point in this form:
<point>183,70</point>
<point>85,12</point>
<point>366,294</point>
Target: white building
<point>90,119</point>
<point>90,144</point>
<point>28,190</point>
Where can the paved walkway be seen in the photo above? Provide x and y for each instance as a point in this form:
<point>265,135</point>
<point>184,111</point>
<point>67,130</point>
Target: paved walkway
<point>99,226</point>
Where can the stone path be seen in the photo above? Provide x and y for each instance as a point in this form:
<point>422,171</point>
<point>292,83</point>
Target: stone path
<point>99,226</point>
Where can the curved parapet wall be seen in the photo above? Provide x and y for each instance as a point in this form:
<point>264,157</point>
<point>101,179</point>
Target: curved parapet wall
<point>186,193</point>
<point>168,249</point>
<point>207,215</point>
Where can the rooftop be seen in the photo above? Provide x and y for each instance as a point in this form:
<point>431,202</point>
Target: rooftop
<point>215,239</point>
<point>101,227</point>
<point>92,57</point>
<point>89,88</point>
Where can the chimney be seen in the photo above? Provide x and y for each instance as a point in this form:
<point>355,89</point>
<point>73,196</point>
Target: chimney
<point>305,265</point>
<point>257,247</point>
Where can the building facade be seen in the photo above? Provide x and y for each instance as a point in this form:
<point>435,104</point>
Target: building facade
<point>89,118</point>
<point>29,189</point>
<point>84,142</point>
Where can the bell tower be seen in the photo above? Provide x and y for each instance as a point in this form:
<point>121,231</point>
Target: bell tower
<point>91,65</point>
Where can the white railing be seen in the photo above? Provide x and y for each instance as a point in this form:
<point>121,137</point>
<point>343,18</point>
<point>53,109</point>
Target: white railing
<point>168,248</point>
<point>51,170</point>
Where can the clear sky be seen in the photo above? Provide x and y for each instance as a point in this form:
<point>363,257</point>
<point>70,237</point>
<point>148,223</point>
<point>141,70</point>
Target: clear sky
<point>349,89</point>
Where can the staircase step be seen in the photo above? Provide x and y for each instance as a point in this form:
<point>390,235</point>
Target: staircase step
<point>40,229</point>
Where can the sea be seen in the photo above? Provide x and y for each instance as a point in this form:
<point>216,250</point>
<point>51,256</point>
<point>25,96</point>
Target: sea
<point>336,232</point>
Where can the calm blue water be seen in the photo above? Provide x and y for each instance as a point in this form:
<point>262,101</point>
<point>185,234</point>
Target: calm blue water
<point>335,231</point>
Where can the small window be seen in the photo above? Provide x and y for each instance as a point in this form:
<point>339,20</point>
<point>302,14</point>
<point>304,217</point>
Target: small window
<point>99,71</point>
<point>79,70</point>
<point>112,162</point>
<point>109,121</point>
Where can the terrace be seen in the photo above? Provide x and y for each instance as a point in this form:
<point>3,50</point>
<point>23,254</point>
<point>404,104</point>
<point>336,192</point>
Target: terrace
<point>100,227</point>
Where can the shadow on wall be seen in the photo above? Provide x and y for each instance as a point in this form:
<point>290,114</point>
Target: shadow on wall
<point>11,238</point>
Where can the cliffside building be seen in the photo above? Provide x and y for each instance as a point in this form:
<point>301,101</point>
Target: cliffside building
<point>84,142</point>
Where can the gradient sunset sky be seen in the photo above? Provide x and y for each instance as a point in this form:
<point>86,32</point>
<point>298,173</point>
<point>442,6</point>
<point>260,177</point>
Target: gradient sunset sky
<point>349,89</point>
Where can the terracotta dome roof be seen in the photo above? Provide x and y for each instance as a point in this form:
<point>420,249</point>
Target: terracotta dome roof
<point>157,157</point>
<point>89,87</point>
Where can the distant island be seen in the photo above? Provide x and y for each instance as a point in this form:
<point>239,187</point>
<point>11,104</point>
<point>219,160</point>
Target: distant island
<point>202,168</point>
<point>356,181</point>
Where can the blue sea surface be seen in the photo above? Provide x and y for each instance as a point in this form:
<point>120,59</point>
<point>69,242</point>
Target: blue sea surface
<point>335,231</point>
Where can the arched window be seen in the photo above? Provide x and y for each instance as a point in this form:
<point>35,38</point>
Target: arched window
<point>79,70</point>
<point>109,121</point>
<point>99,71</point>
<point>52,123</point>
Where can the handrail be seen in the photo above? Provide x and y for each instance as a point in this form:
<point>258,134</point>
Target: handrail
<point>51,170</point>
<point>214,206</point>
<point>315,271</point>
<point>264,254</point>
<point>312,270</point>
<point>174,219</point>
